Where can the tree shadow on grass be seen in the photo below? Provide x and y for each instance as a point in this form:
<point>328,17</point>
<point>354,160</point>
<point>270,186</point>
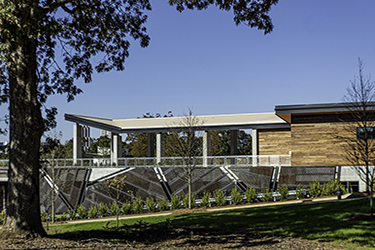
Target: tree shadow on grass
<point>177,236</point>
<point>245,227</point>
<point>324,222</point>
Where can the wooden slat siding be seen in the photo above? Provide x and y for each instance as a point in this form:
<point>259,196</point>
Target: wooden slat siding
<point>312,140</point>
<point>274,142</point>
<point>316,144</point>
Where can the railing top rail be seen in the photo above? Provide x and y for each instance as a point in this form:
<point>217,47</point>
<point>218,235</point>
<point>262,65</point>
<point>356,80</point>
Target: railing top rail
<point>199,161</point>
<point>150,158</point>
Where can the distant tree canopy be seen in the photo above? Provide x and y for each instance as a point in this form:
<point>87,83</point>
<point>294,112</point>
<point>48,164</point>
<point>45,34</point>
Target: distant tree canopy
<point>220,143</point>
<point>4,152</point>
<point>136,143</point>
<point>52,148</point>
<point>99,147</point>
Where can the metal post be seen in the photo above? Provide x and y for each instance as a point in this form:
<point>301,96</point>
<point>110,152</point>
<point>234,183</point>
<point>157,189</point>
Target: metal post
<point>77,143</point>
<point>233,144</point>
<point>206,148</point>
<point>160,147</point>
<point>254,146</point>
<point>275,178</point>
<point>4,199</point>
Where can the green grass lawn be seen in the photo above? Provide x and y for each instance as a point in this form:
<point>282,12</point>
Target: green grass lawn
<point>324,221</point>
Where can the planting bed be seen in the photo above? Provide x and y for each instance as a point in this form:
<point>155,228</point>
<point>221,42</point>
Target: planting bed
<point>169,238</point>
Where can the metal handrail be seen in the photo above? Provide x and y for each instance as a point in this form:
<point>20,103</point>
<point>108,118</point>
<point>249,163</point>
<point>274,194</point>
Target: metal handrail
<point>199,161</point>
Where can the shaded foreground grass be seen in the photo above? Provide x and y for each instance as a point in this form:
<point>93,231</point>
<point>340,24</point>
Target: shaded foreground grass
<point>325,222</point>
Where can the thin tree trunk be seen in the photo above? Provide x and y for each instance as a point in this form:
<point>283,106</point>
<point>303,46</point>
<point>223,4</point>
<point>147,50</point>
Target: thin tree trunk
<point>53,192</point>
<point>189,186</point>
<point>367,178</point>
<point>117,212</point>
<point>26,128</point>
<point>371,202</point>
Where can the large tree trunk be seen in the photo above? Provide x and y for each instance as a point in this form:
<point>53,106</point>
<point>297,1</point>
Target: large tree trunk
<point>26,128</point>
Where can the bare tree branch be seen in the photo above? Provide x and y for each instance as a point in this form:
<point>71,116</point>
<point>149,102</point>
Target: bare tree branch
<point>358,135</point>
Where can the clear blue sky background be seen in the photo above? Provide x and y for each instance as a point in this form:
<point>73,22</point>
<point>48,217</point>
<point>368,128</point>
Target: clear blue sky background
<point>200,59</point>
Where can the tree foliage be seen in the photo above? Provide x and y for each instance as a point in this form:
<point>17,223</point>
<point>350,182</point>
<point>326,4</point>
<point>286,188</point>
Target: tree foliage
<point>253,13</point>
<point>115,185</point>
<point>80,29</point>
<point>52,148</point>
<point>45,46</point>
<point>220,143</point>
<point>137,142</point>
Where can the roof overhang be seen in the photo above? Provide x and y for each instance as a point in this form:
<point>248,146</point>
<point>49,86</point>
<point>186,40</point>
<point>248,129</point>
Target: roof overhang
<point>287,111</point>
<point>164,124</point>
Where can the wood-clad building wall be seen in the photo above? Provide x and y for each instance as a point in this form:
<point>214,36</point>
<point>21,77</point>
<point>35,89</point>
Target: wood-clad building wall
<point>312,140</point>
<point>274,141</point>
<point>316,141</point>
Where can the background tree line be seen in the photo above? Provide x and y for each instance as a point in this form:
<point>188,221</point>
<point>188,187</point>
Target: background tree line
<point>136,144</point>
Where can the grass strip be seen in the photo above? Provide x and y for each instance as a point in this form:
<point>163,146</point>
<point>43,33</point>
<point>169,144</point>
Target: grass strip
<point>323,221</point>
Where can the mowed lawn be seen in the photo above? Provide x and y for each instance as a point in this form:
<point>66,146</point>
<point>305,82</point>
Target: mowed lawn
<point>333,221</point>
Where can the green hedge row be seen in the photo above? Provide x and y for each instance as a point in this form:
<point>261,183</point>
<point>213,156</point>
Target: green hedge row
<point>176,202</point>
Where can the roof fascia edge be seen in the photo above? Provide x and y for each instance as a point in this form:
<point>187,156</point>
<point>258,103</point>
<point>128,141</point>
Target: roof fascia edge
<point>208,128</point>
<point>316,108</point>
<point>98,125</point>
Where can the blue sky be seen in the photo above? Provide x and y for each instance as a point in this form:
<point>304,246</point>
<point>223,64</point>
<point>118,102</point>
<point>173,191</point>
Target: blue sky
<point>200,59</point>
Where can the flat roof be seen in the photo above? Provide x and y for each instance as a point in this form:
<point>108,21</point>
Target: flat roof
<point>286,111</point>
<point>164,124</point>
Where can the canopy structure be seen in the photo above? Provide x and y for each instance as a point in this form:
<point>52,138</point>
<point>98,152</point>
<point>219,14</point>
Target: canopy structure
<point>164,124</point>
<point>232,122</point>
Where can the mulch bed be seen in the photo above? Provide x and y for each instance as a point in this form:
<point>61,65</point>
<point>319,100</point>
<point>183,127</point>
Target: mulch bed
<point>166,237</point>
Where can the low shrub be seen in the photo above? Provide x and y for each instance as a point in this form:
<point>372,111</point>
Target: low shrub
<point>219,197</point>
<point>113,208</point>
<point>64,216</point>
<point>163,204</point>
<point>300,192</point>
<point>315,189</point>
<point>150,204</point>
<point>268,195</point>
<point>72,214</point>
<point>206,200</point>
<point>236,196</point>
<point>185,200</point>
<point>43,217</point>
<point>93,211</point>
<point>175,202</point>
<point>127,207</point>
<point>330,188</point>
<point>57,217</point>
<point>251,194</point>
<point>103,209</point>
<point>138,205</point>
<point>82,212</point>
<point>283,191</point>
<point>2,217</point>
